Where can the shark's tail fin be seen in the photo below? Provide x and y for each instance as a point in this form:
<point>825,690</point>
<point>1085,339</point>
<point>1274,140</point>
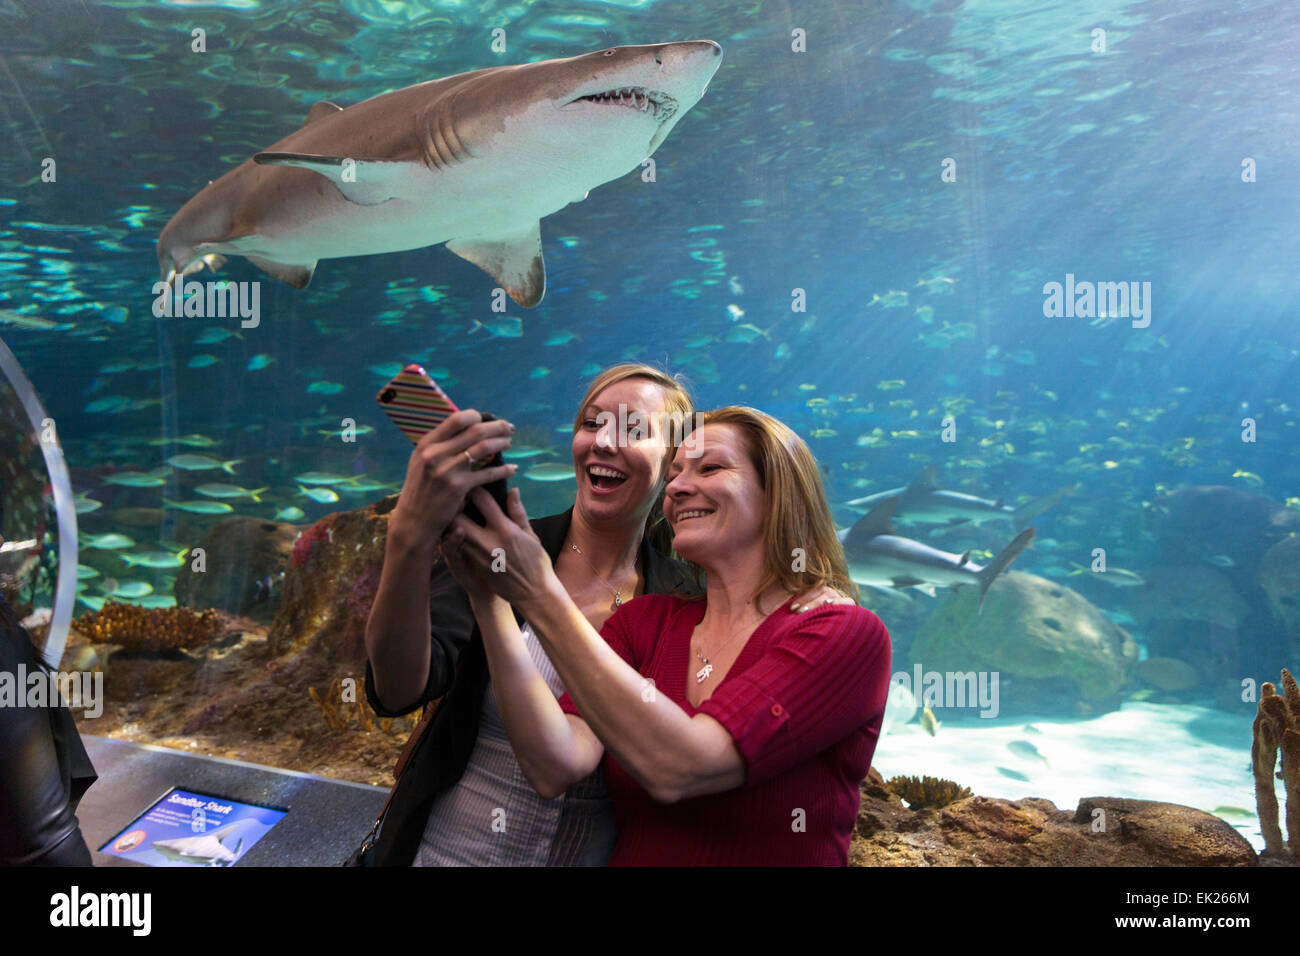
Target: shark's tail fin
<point>1003,561</point>
<point>1032,509</point>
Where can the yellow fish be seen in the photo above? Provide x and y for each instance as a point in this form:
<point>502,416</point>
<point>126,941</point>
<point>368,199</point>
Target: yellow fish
<point>928,721</point>
<point>1249,477</point>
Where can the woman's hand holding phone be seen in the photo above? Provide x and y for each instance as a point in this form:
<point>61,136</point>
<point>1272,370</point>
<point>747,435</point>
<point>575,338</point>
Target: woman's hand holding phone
<point>439,475</point>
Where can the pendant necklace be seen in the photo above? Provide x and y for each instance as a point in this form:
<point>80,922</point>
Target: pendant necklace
<point>618,594</point>
<point>703,673</point>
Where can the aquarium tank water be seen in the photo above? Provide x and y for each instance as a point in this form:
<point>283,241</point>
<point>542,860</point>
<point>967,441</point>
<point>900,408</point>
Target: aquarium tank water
<point>1002,265</point>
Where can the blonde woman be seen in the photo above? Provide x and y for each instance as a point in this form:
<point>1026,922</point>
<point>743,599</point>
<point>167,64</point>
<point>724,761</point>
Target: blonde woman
<point>731,730</point>
<point>463,799</point>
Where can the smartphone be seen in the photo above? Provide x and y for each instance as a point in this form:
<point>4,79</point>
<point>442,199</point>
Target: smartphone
<point>417,405</point>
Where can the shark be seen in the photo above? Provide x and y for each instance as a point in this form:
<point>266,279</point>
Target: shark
<point>206,849</point>
<point>878,557</point>
<point>475,160</point>
<point>923,502</point>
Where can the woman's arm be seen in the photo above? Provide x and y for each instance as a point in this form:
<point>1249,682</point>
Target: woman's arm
<point>670,754</point>
<point>554,750</point>
<point>398,644</point>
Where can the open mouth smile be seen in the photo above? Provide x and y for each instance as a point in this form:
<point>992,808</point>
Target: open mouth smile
<point>604,478</point>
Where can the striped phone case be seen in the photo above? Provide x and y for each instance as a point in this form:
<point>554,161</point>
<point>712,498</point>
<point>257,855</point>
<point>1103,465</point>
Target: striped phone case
<point>415,403</point>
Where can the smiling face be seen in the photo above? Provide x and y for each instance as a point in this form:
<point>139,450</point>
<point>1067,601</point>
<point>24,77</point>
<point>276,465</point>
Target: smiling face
<point>714,500</point>
<point>618,452</point>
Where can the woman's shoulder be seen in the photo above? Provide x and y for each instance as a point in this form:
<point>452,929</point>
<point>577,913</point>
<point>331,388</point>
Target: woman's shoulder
<point>848,620</point>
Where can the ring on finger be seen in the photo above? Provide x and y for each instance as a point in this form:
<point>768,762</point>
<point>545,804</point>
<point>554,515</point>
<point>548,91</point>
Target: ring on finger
<point>469,459</point>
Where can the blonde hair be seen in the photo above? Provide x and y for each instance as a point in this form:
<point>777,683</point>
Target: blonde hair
<point>798,515</point>
<point>678,407</point>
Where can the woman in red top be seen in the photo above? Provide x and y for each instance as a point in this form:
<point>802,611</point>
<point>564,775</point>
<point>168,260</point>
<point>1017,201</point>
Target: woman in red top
<point>733,731</point>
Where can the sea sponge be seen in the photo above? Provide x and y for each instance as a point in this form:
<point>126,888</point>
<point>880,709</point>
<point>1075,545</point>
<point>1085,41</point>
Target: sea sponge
<point>933,792</point>
<point>154,629</point>
<point>1277,728</point>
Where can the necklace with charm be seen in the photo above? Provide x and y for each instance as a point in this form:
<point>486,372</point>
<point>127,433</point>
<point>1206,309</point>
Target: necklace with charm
<point>618,594</point>
<point>704,672</point>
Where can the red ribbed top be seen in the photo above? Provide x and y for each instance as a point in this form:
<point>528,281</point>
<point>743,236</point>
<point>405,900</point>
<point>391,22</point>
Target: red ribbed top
<point>803,703</point>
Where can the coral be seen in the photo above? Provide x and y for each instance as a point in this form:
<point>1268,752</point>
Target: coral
<point>137,628</point>
<point>932,792</point>
<point>1277,727</point>
<point>338,712</point>
<point>308,540</point>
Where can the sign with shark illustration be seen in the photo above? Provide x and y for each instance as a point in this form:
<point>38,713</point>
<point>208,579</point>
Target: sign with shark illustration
<point>184,828</point>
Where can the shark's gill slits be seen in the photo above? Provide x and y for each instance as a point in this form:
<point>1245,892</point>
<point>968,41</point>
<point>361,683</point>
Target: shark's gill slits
<point>659,105</point>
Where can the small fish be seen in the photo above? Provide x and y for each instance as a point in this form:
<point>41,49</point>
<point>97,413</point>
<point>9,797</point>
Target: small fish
<point>893,299</point>
<point>322,478</point>
<point>107,542</point>
<point>806,387</point>
<point>108,406</point>
<point>323,495</point>
<point>782,352</point>
<point>524,452</point>
<point>91,601</point>
<point>157,600</point>
<point>131,589</point>
<point>203,463</point>
<point>734,285</point>
<point>290,513</point>
<point>154,559</point>
<point>928,721</point>
<point>325,388</point>
<point>191,440</point>
<point>85,505</point>
<point>1221,560</point>
<point>540,372</point>
<point>135,479</point>
<point>735,312</point>
<point>1023,748</point>
<point>386,370</point>
<point>259,361</point>
<point>200,507</point>
<point>340,432</point>
<point>1118,577</point>
<point>550,471</point>
<point>214,335</point>
<point>925,313</point>
<point>1023,357</point>
<point>218,490</point>
<point>1249,477</point>
<point>85,573</point>
<point>560,338</point>
<point>502,327</point>
<point>1013,774</point>
<point>823,433</point>
<point>1238,813</point>
<point>19,320</point>
<point>940,285</point>
<point>890,384</point>
<point>114,367</point>
<point>746,332</point>
<point>202,361</point>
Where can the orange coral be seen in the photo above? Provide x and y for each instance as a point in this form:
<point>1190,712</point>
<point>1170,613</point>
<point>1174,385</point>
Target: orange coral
<point>150,629</point>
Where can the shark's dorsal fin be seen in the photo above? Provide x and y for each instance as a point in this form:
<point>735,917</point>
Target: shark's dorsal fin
<point>514,261</point>
<point>877,521</point>
<point>321,109</point>
<point>964,559</point>
<point>925,481</point>
<point>366,182</point>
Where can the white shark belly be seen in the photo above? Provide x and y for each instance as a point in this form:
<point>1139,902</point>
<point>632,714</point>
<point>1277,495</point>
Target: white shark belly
<point>477,199</point>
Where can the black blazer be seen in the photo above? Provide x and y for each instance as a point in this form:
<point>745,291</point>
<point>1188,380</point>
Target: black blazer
<point>458,671</point>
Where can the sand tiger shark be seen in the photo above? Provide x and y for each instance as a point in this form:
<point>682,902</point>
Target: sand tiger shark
<point>474,160</point>
<point>924,502</point>
<point>207,849</point>
<point>878,557</point>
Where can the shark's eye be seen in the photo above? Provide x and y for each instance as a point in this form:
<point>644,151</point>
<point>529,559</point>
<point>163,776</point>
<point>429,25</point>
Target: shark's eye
<point>611,51</point>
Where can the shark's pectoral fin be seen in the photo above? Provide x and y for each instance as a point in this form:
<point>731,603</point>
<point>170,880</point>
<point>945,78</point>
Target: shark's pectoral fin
<point>515,262</point>
<point>905,581</point>
<point>296,276</point>
<point>366,182</point>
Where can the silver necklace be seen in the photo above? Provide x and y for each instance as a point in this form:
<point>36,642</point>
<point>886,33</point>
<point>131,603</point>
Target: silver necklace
<point>704,672</point>
<point>618,594</point>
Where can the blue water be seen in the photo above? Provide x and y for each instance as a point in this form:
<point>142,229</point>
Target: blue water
<point>820,171</point>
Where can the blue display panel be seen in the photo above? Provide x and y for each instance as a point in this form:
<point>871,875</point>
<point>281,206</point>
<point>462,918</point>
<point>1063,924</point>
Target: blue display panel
<point>184,828</point>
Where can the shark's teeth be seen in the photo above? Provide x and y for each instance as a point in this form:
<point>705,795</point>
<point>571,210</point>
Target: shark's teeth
<point>658,104</point>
